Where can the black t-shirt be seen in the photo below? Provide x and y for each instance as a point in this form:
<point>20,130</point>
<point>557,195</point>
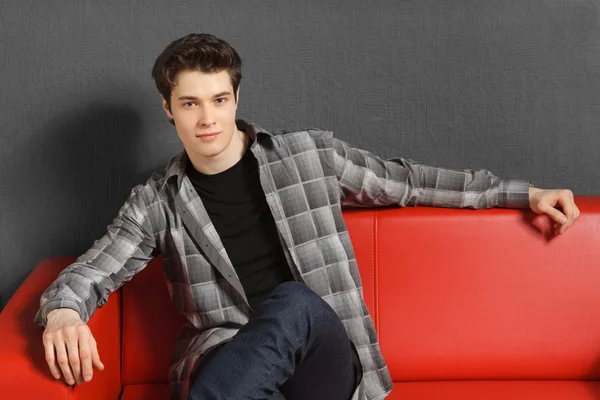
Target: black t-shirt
<point>237,206</point>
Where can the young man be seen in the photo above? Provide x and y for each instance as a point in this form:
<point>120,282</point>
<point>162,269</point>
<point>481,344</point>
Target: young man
<point>255,249</point>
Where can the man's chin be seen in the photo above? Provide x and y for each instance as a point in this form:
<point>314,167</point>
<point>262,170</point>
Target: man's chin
<point>208,151</point>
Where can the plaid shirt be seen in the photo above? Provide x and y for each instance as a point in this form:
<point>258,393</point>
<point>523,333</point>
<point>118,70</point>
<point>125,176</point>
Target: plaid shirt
<point>307,177</point>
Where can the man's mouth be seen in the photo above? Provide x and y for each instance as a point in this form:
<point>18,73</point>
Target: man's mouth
<point>209,135</point>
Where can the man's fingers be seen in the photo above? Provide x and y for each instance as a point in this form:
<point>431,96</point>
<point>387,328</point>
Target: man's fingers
<point>95,355</point>
<point>553,213</point>
<point>63,360</point>
<point>571,211</point>
<point>85,354</point>
<point>567,204</point>
<point>50,356</point>
<point>73,349</point>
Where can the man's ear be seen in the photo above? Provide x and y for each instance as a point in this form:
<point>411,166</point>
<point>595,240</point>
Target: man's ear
<point>166,108</point>
<point>237,96</point>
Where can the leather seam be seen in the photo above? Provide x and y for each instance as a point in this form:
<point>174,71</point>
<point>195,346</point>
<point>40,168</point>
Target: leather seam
<point>121,331</point>
<point>377,265</point>
<point>375,275</point>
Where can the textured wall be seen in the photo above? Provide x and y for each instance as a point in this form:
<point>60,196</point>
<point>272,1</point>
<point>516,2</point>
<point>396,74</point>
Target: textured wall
<point>507,85</point>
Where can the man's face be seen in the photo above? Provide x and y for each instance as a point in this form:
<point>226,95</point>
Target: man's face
<point>203,107</point>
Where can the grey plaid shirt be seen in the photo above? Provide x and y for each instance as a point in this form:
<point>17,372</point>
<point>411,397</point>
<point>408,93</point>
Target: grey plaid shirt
<point>307,177</point>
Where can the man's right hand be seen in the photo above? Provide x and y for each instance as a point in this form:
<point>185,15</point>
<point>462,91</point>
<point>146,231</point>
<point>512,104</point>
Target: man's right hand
<point>70,347</point>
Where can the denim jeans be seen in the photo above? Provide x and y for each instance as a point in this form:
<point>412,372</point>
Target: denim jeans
<point>293,347</point>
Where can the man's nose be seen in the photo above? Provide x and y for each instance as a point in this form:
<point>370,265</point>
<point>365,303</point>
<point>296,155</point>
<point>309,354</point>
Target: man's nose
<point>207,118</point>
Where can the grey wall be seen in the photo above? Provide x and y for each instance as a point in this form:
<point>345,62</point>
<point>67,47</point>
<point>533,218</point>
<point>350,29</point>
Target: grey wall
<point>507,85</point>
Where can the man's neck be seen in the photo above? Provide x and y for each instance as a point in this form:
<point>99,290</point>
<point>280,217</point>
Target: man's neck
<point>227,159</point>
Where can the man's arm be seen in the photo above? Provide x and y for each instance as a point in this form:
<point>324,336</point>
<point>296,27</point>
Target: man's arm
<point>369,181</point>
<point>123,251</point>
<point>70,301</point>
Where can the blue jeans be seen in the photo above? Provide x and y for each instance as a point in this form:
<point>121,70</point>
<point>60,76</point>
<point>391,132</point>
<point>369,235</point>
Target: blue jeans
<point>293,347</point>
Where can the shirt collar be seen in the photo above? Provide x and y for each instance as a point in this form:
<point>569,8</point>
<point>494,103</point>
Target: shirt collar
<point>177,165</point>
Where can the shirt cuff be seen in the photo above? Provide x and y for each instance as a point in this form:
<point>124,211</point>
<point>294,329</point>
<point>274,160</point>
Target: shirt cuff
<point>513,194</point>
<point>42,314</point>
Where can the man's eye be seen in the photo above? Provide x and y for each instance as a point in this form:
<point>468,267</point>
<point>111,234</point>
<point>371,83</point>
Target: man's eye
<point>188,104</point>
<point>220,100</point>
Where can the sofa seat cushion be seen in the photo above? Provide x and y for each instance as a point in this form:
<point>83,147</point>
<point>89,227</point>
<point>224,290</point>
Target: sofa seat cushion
<point>151,391</point>
<point>457,390</point>
<point>496,390</point>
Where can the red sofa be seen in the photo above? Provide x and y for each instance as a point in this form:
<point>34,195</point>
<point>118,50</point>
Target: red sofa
<point>467,304</point>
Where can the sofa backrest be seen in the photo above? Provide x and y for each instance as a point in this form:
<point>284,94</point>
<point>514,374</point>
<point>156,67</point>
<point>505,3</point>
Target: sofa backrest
<point>483,295</point>
<point>454,294</point>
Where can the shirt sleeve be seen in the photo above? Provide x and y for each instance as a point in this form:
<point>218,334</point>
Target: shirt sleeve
<point>366,180</point>
<point>123,251</point>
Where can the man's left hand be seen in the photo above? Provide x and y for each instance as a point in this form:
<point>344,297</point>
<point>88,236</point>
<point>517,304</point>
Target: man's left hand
<point>559,204</point>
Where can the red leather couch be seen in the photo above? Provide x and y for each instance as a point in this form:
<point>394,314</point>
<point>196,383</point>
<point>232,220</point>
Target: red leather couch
<point>467,304</point>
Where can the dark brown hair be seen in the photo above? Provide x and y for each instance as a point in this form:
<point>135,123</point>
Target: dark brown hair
<point>195,52</point>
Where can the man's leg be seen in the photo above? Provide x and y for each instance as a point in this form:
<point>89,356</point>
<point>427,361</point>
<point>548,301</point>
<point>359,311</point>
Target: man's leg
<point>294,346</point>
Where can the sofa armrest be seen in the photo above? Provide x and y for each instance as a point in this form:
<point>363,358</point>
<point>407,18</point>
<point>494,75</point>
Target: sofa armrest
<point>24,372</point>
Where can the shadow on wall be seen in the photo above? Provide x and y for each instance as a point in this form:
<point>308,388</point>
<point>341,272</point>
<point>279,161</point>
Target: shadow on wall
<point>66,184</point>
